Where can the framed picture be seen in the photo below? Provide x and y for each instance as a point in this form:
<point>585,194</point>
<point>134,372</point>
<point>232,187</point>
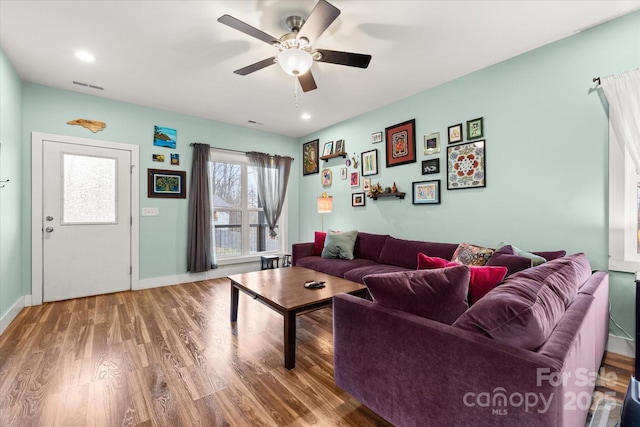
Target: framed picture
<point>376,137</point>
<point>466,165</point>
<point>328,148</point>
<point>158,157</point>
<point>475,128</point>
<point>343,173</point>
<point>430,166</point>
<point>164,137</point>
<point>175,159</point>
<point>426,192</point>
<point>326,177</point>
<point>310,157</point>
<point>369,162</point>
<point>455,133</point>
<point>168,184</point>
<point>358,199</point>
<point>340,146</point>
<point>432,143</point>
<point>401,143</point>
<point>355,179</point>
<point>366,184</point>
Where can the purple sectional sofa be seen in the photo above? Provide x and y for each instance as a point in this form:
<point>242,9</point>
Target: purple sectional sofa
<point>526,354</point>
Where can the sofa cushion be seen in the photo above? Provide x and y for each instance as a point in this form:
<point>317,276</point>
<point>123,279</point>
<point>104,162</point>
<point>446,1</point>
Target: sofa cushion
<point>471,255</point>
<point>336,267</point>
<point>369,246</point>
<point>482,279</point>
<point>551,255</point>
<point>440,295</point>
<point>536,259</point>
<point>339,244</point>
<point>526,308</point>
<point>404,253</point>
<point>505,257</point>
<point>318,242</point>
<point>358,274</point>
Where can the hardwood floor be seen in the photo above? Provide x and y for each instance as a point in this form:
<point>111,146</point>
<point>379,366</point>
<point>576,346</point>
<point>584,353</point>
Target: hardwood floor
<point>170,357</point>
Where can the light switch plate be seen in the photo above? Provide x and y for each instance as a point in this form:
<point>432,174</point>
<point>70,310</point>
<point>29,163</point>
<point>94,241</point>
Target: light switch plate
<point>150,212</point>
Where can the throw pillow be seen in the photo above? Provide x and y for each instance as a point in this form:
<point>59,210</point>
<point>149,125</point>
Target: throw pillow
<point>471,255</point>
<point>339,244</point>
<point>551,255</point>
<point>318,242</point>
<point>439,295</point>
<point>506,257</point>
<point>482,279</point>
<point>536,259</point>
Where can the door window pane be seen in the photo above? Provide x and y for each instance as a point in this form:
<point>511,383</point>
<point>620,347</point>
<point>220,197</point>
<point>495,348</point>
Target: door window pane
<point>89,190</point>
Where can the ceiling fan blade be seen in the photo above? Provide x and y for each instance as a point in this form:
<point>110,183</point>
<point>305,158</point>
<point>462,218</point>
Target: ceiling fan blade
<point>344,58</point>
<point>247,29</point>
<point>307,82</point>
<point>322,15</point>
<point>257,66</point>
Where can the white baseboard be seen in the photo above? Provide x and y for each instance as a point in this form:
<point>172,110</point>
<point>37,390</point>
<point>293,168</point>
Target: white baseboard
<point>623,346</point>
<point>12,313</point>
<point>222,271</point>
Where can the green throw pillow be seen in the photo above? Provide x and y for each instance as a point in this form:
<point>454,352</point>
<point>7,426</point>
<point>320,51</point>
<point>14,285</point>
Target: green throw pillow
<point>339,244</point>
<point>535,259</point>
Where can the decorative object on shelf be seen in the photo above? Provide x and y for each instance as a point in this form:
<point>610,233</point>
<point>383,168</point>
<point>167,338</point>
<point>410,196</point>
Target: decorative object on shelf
<point>466,165</point>
<point>169,184</point>
<point>401,143</point>
<point>426,192</point>
<point>355,179</point>
<point>376,137</point>
<point>93,125</point>
<point>325,205</point>
<point>475,128</point>
<point>455,133</point>
<point>164,137</point>
<point>366,184</point>
<point>394,189</point>
<point>354,161</point>
<point>326,177</point>
<point>158,157</point>
<point>339,146</point>
<point>343,173</point>
<point>432,143</point>
<point>430,166</point>
<point>376,191</point>
<point>348,162</point>
<point>328,149</point>
<point>357,199</point>
<point>310,157</point>
<point>369,162</point>
<point>175,159</point>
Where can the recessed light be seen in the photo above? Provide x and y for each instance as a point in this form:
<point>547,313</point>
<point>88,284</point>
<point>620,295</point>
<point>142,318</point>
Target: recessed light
<point>85,56</point>
<point>305,116</point>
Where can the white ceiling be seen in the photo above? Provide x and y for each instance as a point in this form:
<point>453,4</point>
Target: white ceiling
<point>175,56</point>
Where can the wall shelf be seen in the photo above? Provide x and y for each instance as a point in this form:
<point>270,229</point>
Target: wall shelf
<point>332,156</point>
<point>397,194</point>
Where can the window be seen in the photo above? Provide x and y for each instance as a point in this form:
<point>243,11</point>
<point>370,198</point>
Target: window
<point>238,220</point>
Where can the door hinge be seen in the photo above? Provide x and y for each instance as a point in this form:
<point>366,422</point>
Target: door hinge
<point>131,169</point>
<point>131,220</point>
<point>130,270</point>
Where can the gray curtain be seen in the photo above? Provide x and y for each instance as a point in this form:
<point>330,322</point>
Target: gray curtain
<point>272,174</point>
<point>199,246</point>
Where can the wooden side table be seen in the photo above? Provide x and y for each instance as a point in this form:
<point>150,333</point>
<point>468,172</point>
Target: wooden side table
<point>266,262</point>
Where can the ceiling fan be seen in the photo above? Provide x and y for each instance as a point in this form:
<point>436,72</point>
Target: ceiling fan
<point>296,52</point>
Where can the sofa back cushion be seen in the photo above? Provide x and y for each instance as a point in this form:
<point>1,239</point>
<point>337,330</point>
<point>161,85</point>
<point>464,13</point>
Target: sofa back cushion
<point>439,295</point>
<point>506,257</point>
<point>404,253</point>
<point>525,309</point>
<point>369,246</point>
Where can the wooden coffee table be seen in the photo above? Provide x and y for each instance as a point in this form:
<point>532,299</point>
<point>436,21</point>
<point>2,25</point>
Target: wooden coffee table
<point>282,289</point>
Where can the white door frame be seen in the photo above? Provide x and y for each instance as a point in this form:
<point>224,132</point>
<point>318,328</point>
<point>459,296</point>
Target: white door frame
<point>37,140</point>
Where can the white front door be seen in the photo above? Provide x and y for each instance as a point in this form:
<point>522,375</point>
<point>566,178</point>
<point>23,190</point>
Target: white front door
<point>86,220</point>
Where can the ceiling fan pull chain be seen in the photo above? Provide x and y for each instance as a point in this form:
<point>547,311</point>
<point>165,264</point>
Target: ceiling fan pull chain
<point>295,90</point>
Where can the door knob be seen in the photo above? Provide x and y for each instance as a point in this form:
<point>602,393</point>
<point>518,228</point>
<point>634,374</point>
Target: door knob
<point>48,229</point>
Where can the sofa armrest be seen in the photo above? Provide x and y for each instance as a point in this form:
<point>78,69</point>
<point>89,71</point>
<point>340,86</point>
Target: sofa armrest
<point>301,250</point>
<point>417,372</point>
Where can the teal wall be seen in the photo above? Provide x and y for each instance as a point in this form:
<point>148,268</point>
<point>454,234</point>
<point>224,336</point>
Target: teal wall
<point>546,134</point>
<point>11,288</point>
<point>163,239</point>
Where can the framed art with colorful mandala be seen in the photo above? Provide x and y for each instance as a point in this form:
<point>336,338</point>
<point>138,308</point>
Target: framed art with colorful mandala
<point>466,165</point>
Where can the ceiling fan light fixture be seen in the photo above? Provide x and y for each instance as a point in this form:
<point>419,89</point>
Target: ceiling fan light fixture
<point>295,62</point>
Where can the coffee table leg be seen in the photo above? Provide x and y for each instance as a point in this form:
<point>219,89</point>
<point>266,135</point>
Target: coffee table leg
<point>290,340</point>
<point>235,292</point>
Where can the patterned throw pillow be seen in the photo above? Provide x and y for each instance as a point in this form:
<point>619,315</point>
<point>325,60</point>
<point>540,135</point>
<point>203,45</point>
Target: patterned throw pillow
<point>472,255</point>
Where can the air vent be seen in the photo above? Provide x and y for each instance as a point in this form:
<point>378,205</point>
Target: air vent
<point>87,85</point>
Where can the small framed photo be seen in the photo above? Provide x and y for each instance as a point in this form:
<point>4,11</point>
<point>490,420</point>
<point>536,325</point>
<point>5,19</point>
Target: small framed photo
<point>358,199</point>
<point>432,143</point>
<point>310,157</point>
<point>369,162</point>
<point>366,184</point>
<point>355,179</point>
<point>430,166</point>
<point>158,157</point>
<point>475,128</point>
<point>466,165</point>
<point>426,192</point>
<point>455,133</point>
<point>326,177</point>
<point>328,149</point>
<point>168,184</point>
<point>175,159</point>
<point>343,173</point>
<point>376,137</point>
<point>401,143</point>
<point>339,146</point>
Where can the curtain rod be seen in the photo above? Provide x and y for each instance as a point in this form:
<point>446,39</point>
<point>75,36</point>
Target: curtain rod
<point>238,151</point>
<point>596,80</point>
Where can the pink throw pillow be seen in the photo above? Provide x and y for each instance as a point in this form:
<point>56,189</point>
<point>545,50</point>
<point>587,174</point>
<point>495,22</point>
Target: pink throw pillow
<point>318,242</point>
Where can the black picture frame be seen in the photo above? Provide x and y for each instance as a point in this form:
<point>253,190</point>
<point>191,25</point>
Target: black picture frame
<point>467,165</point>
<point>358,199</point>
<point>369,162</point>
<point>454,133</point>
<point>430,166</point>
<point>401,143</point>
<point>166,184</point>
<point>426,192</point>
<point>310,157</point>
